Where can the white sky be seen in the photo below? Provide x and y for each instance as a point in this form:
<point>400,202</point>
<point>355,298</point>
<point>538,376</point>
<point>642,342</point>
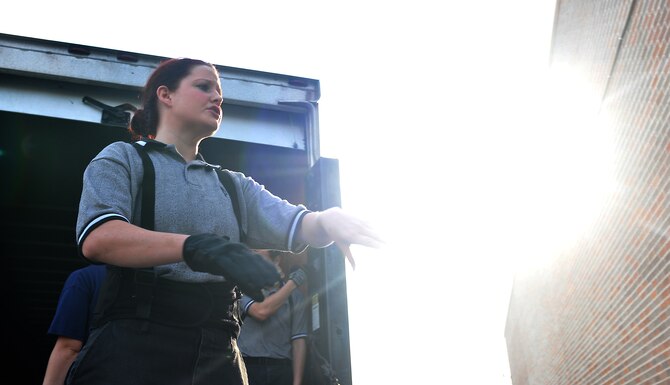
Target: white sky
<point>430,108</point>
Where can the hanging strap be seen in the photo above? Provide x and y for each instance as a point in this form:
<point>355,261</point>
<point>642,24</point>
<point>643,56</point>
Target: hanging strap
<point>139,293</point>
<point>145,279</point>
<point>148,188</point>
<point>149,192</point>
<point>227,182</point>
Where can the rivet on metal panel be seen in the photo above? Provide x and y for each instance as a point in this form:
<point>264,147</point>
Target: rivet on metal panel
<point>78,50</point>
<point>127,56</point>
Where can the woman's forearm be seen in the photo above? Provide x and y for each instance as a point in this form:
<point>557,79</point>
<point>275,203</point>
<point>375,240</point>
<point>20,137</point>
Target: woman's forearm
<point>123,244</point>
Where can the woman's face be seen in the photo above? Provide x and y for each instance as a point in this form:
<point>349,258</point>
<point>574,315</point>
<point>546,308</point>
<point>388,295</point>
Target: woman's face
<point>196,103</point>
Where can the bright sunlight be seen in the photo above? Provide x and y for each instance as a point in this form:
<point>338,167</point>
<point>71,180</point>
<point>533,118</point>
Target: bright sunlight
<point>571,171</point>
<point>442,146</point>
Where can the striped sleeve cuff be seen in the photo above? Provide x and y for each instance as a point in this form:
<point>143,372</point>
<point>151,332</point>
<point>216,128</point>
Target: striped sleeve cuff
<point>296,248</point>
<point>297,336</point>
<point>245,310</point>
<point>94,224</point>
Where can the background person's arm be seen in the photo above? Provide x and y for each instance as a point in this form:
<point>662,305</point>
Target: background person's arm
<point>299,351</point>
<point>62,356</point>
<point>263,310</point>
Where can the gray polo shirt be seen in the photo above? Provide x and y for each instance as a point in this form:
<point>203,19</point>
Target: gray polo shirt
<point>272,338</point>
<point>190,199</point>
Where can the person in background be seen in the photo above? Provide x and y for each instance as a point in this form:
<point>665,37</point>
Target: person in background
<point>272,338</point>
<point>72,320</point>
<point>168,313</point>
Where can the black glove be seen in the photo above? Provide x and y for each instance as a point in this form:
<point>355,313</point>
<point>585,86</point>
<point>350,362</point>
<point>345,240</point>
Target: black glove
<point>216,254</point>
<point>298,276</point>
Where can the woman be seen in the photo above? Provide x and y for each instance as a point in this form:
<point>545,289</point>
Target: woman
<point>172,318</point>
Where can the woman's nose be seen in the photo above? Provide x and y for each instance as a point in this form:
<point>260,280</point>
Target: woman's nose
<point>217,99</point>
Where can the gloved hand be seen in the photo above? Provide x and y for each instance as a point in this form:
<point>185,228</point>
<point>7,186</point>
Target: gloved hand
<point>298,276</point>
<point>216,254</point>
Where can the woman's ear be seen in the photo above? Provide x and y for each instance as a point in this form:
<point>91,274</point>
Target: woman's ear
<point>164,95</point>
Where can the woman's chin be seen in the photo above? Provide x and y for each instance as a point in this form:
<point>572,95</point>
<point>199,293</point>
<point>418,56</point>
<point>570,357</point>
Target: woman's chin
<point>207,130</point>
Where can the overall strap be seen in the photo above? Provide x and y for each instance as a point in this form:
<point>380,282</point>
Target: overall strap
<point>131,292</point>
<point>148,188</point>
<point>149,191</point>
<point>145,279</point>
<point>227,182</point>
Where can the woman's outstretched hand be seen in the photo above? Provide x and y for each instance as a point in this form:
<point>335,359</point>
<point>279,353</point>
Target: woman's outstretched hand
<point>345,229</point>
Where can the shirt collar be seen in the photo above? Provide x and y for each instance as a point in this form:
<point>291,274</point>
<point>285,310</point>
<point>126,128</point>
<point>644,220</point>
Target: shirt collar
<point>152,143</point>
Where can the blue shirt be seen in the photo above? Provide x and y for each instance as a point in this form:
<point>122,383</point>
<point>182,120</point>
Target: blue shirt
<point>77,302</point>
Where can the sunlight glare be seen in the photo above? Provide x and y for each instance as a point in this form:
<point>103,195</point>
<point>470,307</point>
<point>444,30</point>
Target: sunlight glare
<point>573,176</point>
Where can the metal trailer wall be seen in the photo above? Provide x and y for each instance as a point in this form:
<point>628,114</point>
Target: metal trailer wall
<point>600,312</point>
